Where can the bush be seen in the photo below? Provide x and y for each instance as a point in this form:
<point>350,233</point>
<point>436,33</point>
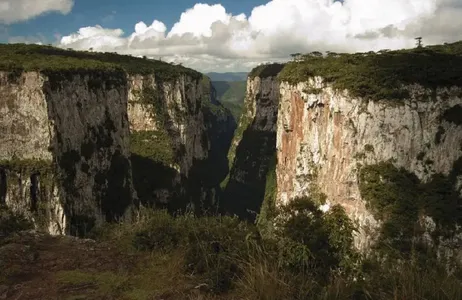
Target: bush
<point>11,222</point>
<point>314,242</point>
<point>214,248</point>
<point>310,256</point>
<point>161,232</point>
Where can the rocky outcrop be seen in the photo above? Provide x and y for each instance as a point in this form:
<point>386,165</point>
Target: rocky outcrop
<point>64,147</point>
<point>253,145</point>
<point>389,163</point>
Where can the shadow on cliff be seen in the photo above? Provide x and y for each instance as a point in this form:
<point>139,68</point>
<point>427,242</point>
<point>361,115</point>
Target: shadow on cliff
<point>245,191</point>
<point>160,186</point>
<point>150,179</point>
<point>205,176</point>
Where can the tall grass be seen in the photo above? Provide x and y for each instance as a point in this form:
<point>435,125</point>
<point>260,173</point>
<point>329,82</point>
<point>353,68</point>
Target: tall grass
<point>232,260</point>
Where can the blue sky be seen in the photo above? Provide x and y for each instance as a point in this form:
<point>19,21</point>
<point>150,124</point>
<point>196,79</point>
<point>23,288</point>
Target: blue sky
<point>121,14</point>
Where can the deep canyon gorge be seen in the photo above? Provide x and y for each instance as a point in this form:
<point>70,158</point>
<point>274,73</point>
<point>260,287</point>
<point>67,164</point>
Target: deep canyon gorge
<point>91,138</point>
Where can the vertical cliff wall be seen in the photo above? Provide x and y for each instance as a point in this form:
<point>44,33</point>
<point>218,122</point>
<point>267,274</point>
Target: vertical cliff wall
<point>180,135</point>
<point>253,145</point>
<point>65,147</point>
<point>330,138</point>
<point>76,125</point>
<point>389,152</point>
<point>167,133</point>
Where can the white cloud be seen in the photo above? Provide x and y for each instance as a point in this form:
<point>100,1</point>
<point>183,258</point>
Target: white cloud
<point>12,11</point>
<point>96,37</point>
<point>206,37</point>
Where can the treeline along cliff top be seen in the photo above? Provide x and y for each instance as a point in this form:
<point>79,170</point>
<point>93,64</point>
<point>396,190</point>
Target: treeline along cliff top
<point>375,75</point>
<point>23,57</point>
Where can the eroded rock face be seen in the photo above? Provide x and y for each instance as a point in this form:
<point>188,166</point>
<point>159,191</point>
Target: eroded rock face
<point>175,119</point>
<point>26,128</point>
<point>325,139</point>
<point>64,148</point>
<point>179,113</point>
<point>252,148</point>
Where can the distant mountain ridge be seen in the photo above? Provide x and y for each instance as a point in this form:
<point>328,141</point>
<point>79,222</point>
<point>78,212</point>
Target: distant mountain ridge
<point>228,76</point>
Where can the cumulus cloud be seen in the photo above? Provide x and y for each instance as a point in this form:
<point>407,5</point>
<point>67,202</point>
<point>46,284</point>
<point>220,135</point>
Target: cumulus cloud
<point>12,11</point>
<point>207,37</point>
<point>95,37</point>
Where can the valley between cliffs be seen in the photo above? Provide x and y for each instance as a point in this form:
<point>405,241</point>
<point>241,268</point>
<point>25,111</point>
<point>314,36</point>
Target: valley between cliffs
<point>126,178</point>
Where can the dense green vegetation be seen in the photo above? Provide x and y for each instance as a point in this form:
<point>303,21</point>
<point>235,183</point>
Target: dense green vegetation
<point>18,57</point>
<point>309,256</point>
<point>220,249</point>
<point>398,198</point>
<point>11,222</point>
<point>268,207</point>
<point>155,145</point>
<point>381,75</point>
<point>266,70</point>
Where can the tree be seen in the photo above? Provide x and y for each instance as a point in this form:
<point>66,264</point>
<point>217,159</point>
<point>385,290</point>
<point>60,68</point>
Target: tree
<point>316,54</point>
<point>419,42</point>
<point>296,56</point>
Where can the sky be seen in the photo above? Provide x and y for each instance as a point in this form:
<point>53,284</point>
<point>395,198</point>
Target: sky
<point>229,35</point>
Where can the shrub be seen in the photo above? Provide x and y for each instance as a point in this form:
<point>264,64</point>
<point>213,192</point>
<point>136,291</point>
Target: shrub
<point>161,232</point>
<point>311,241</point>
<point>214,247</point>
<point>310,256</point>
<point>11,222</point>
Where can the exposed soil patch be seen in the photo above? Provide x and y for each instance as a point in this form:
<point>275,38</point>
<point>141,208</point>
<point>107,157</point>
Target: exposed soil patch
<point>38,266</point>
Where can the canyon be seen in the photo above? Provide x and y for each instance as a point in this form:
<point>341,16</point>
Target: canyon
<point>79,148</point>
<point>130,178</point>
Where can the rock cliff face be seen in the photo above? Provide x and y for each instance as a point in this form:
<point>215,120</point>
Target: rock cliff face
<point>86,134</point>
<point>64,148</point>
<point>369,155</point>
<point>253,146</point>
<point>175,148</point>
<point>167,132</point>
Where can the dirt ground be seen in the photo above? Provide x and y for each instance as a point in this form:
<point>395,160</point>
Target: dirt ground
<point>37,266</point>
